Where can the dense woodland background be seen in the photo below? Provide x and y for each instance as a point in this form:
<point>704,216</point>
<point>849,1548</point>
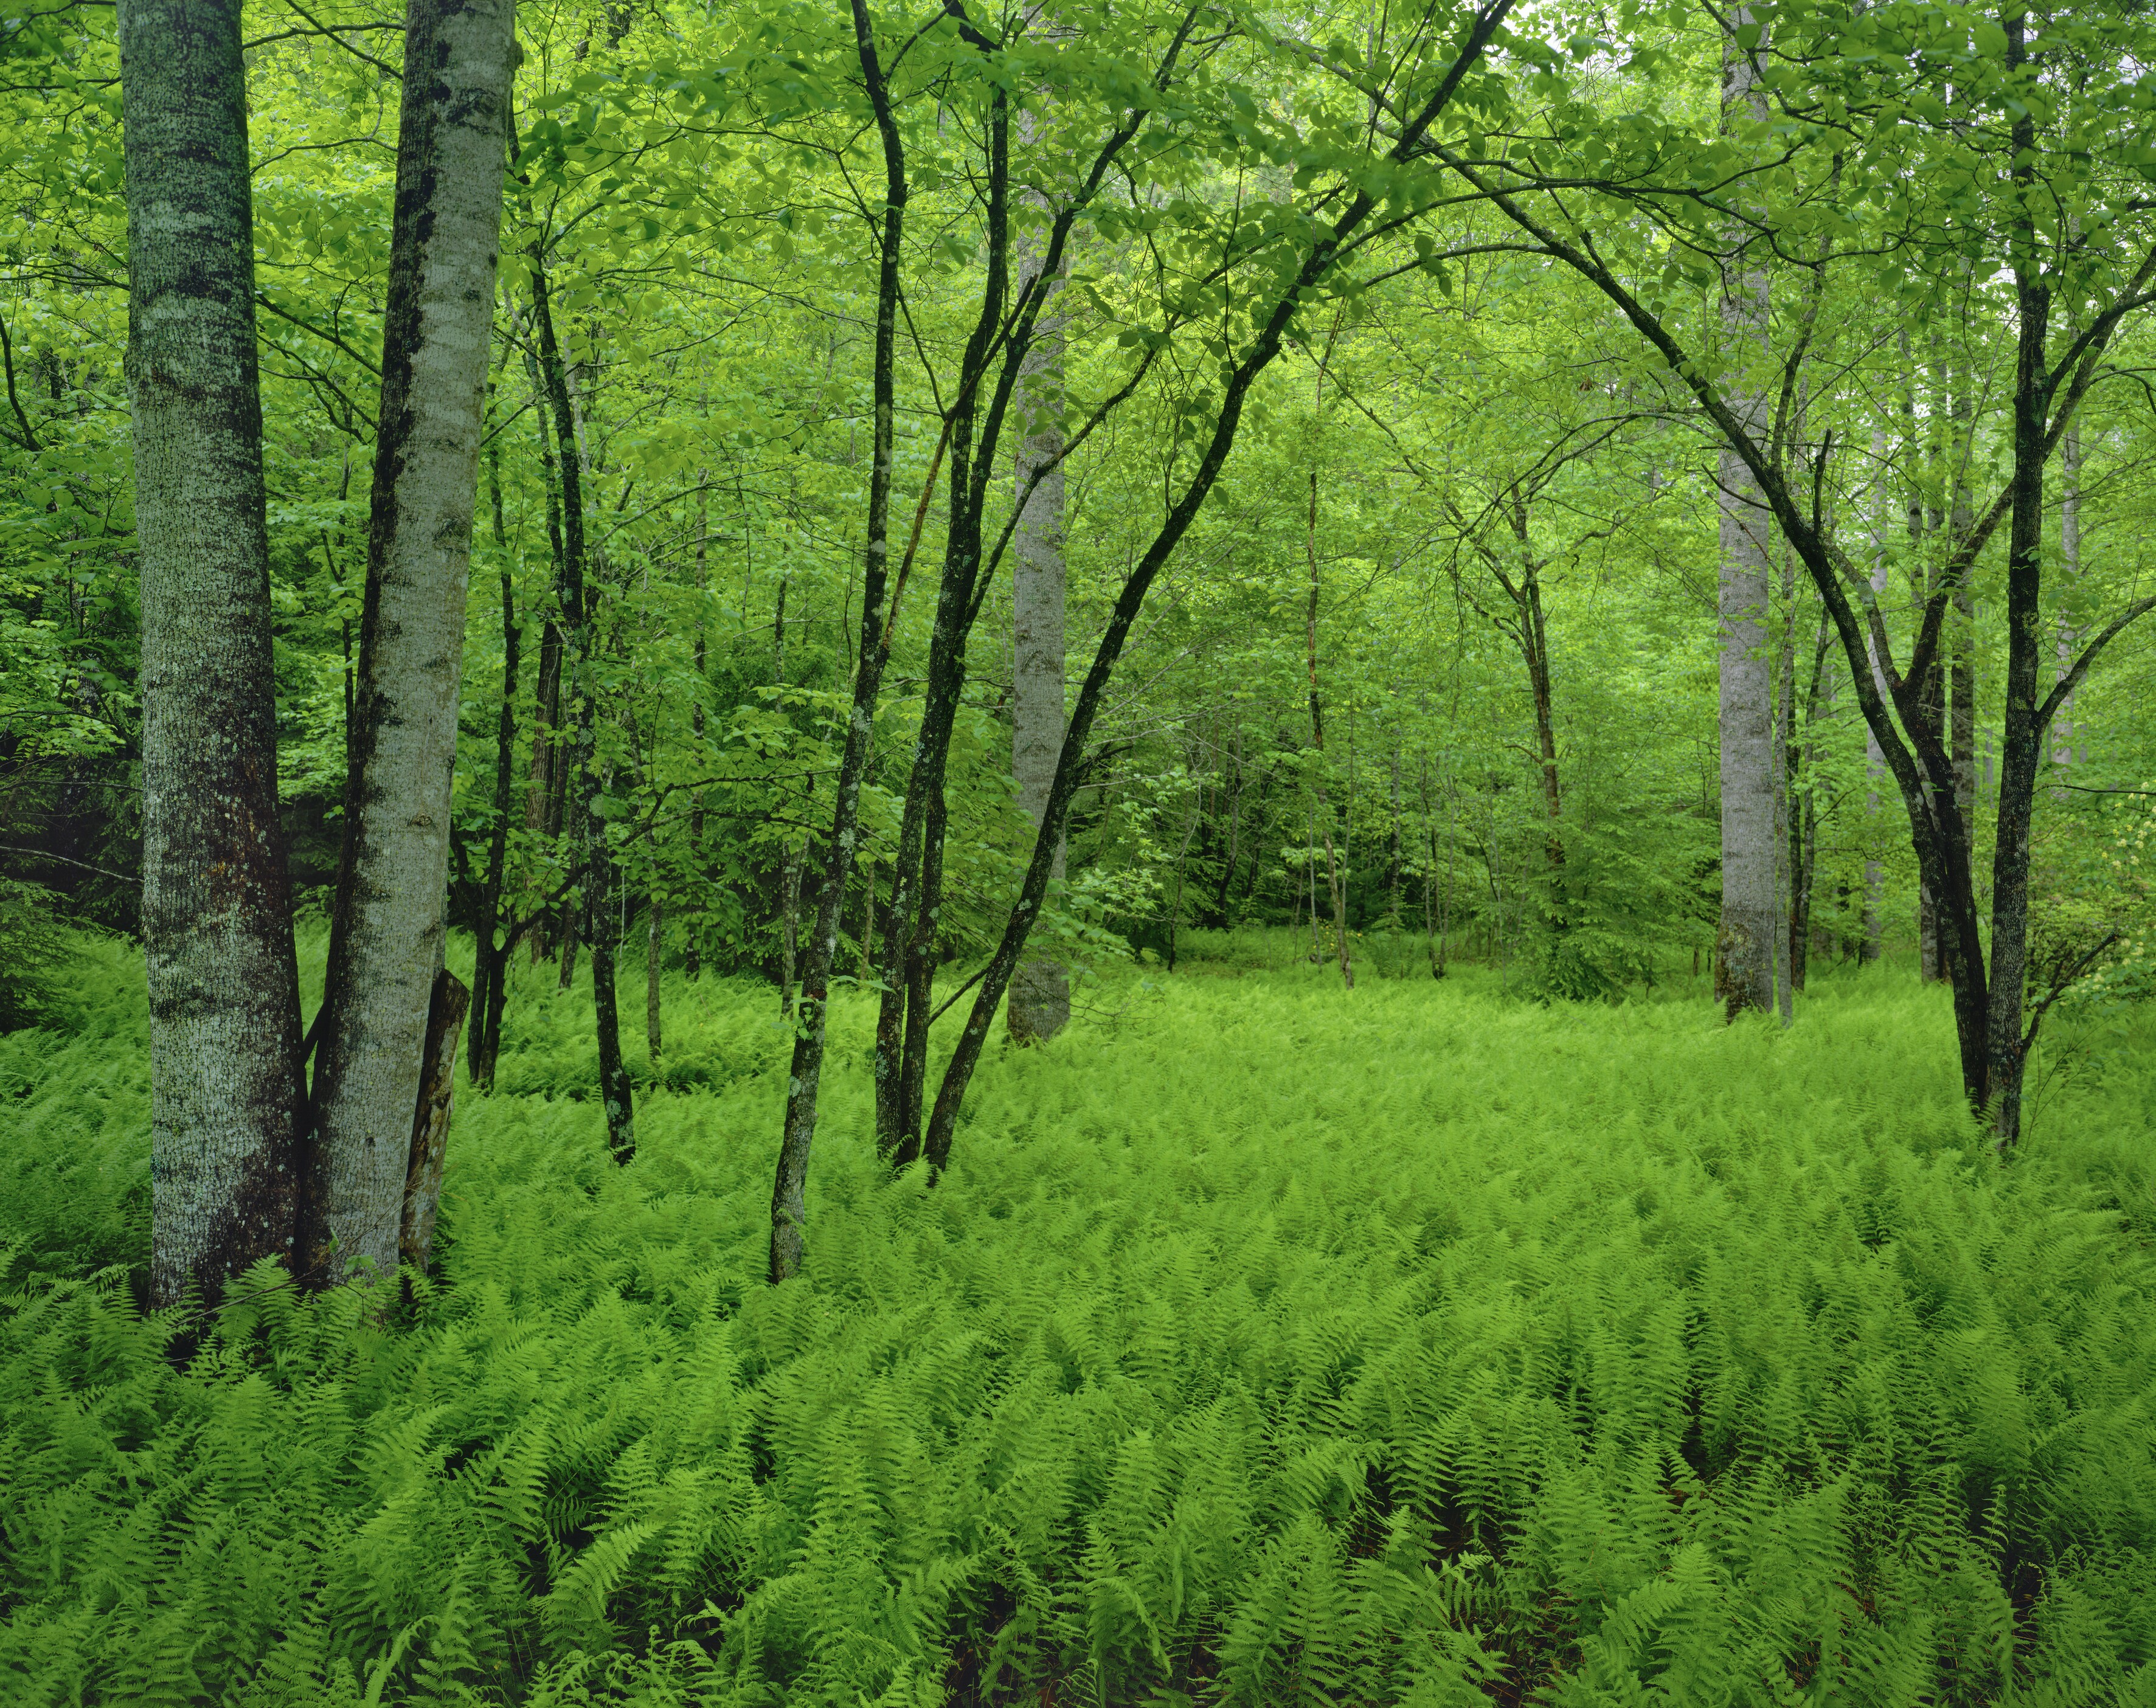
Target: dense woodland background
<point>1558,1111</point>
<point>1508,489</point>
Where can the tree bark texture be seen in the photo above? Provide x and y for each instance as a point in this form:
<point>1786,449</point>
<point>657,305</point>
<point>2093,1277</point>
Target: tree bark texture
<point>1744,944</point>
<point>430,1121</point>
<point>385,934</point>
<point>1040,988</point>
<point>224,999</point>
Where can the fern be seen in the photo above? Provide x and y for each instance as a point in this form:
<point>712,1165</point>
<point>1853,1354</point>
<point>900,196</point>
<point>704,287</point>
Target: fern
<point>1263,1346</point>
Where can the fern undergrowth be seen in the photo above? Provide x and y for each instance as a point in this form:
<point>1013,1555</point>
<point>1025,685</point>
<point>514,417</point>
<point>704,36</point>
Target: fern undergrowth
<point>1265,1345</point>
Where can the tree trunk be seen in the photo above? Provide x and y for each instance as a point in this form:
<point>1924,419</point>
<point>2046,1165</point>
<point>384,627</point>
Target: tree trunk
<point>385,934</point>
<point>542,813</point>
<point>595,856</point>
<point>225,998</point>
<point>490,962</point>
<point>1744,945</point>
<point>1040,989</point>
<point>446,1006</point>
<point>789,1208</point>
<point>1317,265</point>
<point>909,974</point>
<point>2022,747</point>
<point>2064,746</point>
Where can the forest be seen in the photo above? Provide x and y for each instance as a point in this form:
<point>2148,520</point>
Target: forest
<point>1112,852</point>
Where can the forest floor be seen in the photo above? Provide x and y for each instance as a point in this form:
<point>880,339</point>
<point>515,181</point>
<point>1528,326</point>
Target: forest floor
<point>1265,1344</point>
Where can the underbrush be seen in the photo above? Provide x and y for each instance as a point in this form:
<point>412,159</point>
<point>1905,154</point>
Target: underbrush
<point>1264,1345</point>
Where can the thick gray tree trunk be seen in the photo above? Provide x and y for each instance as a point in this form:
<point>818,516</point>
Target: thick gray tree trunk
<point>224,995</point>
<point>1744,945</point>
<point>386,934</point>
<point>1040,988</point>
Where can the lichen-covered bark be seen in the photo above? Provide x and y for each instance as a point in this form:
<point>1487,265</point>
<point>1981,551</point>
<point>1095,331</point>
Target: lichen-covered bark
<point>224,1002</point>
<point>386,934</point>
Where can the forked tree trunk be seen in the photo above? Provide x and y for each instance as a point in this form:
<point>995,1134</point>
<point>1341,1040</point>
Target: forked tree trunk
<point>1744,945</point>
<point>225,996</point>
<point>1040,989</point>
<point>386,934</point>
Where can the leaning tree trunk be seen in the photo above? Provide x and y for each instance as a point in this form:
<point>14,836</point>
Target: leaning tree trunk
<point>224,995</point>
<point>1744,945</point>
<point>385,936</point>
<point>594,855</point>
<point>1040,988</point>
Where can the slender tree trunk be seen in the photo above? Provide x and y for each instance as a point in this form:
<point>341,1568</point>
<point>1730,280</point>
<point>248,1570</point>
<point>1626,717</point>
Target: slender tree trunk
<point>1744,946</point>
<point>225,996</point>
<point>543,814</point>
<point>491,964</point>
<point>2066,749</point>
<point>922,822</point>
<point>385,936</point>
<point>1317,745</point>
<point>1040,989</point>
<point>1317,263</point>
<point>789,1208</point>
<point>595,856</point>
